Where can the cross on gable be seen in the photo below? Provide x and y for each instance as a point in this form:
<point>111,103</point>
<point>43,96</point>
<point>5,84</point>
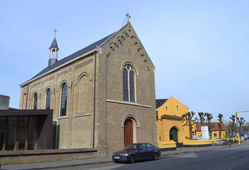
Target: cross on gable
<point>128,16</point>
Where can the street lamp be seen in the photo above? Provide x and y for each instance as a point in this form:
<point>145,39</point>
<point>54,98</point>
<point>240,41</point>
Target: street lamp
<point>238,123</point>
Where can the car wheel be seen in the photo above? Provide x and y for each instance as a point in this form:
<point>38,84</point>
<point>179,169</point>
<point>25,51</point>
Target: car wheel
<point>155,157</point>
<point>132,159</point>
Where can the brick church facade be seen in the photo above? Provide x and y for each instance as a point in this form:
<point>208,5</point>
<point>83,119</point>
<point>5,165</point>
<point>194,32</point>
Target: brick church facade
<point>102,96</point>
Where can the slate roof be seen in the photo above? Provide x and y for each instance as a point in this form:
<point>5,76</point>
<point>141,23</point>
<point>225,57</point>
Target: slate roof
<point>214,126</point>
<point>159,102</point>
<point>76,54</point>
<point>170,116</point>
<point>54,44</point>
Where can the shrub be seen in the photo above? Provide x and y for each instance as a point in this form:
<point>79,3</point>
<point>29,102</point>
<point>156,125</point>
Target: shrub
<point>227,136</point>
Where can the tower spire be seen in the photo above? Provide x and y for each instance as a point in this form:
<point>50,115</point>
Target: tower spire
<point>53,56</point>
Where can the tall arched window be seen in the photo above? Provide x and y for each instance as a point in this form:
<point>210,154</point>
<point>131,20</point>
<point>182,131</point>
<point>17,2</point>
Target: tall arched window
<point>35,101</point>
<point>48,99</point>
<point>128,83</point>
<point>64,99</point>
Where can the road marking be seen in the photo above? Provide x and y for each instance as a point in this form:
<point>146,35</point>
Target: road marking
<point>107,168</point>
<point>189,156</point>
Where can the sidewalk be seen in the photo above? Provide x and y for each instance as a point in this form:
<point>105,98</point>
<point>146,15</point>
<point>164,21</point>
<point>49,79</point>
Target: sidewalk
<point>71,163</point>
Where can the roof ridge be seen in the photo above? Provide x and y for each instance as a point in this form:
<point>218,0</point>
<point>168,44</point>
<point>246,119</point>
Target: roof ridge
<point>71,56</point>
<point>160,102</point>
<point>114,34</point>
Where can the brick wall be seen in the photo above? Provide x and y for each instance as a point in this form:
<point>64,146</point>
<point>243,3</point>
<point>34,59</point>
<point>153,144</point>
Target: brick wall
<point>11,157</point>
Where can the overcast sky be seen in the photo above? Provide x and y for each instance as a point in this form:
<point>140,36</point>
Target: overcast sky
<point>199,48</point>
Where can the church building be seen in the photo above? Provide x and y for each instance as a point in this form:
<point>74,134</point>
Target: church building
<point>102,96</point>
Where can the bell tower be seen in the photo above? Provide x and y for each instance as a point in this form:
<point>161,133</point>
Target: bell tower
<point>53,55</point>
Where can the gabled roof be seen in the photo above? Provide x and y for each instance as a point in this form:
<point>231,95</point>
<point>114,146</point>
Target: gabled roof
<point>54,44</point>
<point>214,126</point>
<point>70,57</point>
<point>159,102</point>
<point>75,55</point>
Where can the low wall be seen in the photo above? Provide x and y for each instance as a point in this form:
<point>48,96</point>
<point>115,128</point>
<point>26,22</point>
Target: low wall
<point>197,143</point>
<point>187,143</point>
<point>12,157</point>
<point>167,145</point>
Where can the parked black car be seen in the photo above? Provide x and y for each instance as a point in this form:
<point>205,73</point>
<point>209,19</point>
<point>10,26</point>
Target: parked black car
<point>137,152</point>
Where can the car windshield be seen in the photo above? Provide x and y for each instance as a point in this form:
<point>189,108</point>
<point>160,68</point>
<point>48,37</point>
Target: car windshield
<point>132,147</point>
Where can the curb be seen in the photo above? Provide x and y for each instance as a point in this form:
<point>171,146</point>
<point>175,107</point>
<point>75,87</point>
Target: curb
<point>64,166</point>
<point>90,163</point>
<point>177,153</point>
<point>101,162</point>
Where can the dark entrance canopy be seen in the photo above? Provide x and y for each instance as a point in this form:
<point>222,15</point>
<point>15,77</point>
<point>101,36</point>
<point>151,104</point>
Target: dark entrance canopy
<point>25,129</point>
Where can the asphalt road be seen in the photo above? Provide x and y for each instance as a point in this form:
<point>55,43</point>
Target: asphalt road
<point>227,159</point>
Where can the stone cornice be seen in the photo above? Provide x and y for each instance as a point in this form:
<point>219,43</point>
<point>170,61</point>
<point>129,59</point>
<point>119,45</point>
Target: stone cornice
<point>82,115</point>
<point>62,117</point>
<point>128,103</point>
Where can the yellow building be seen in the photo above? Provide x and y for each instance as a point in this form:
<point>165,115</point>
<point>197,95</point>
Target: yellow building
<point>214,128</point>
<point>169,123</point>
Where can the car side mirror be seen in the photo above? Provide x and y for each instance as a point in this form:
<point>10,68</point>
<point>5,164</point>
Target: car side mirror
<point>140,149</point>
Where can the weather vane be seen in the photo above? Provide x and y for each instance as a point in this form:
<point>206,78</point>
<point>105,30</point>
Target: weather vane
<point>55,31</point>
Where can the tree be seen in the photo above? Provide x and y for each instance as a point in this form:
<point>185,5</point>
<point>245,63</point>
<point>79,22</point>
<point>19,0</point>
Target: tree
<point>209,118</point>
<point>220,124</point>
<point>241,121</point>
<point>226,123</point>
<point>187,118</point>
<point>202,119</point>
<point>246,126</point>
<point>232,124</point>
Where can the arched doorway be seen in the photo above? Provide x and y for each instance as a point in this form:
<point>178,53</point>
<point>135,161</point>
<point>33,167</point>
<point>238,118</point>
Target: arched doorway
<point>174,135</point>
<point>128,132</point>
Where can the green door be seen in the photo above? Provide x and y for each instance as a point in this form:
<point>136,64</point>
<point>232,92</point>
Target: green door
<point>174,136</point>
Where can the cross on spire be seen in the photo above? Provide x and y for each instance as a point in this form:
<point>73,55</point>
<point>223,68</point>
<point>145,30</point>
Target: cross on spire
<point>128,16</point>
<point>55,31</point>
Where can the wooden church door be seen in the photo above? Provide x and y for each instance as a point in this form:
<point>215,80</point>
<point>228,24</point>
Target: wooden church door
<point>174,135</point>
<point>128,132</point>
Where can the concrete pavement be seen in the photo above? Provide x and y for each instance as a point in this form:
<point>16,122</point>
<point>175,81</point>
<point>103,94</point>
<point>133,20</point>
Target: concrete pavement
<point>72,163</point>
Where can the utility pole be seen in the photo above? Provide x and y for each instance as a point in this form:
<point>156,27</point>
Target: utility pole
<point>237,122</point>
